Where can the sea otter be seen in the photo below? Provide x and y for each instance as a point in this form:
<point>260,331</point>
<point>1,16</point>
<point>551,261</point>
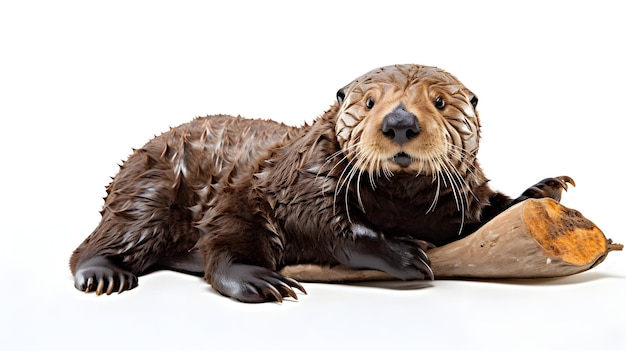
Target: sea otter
<point>390,166</point>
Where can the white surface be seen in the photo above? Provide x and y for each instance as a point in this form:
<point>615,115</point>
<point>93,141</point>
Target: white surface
<point>81,83</point>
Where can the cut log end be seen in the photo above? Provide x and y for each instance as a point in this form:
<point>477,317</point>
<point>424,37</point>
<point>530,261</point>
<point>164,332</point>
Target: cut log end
<point>564,233</point>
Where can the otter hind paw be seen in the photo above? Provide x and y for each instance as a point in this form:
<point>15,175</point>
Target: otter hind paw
<point>549,187</point>
<point>99,275</point>
<point>255,284</point>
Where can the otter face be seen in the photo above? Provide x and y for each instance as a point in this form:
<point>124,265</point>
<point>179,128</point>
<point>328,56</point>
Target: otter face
<point>408,119</point>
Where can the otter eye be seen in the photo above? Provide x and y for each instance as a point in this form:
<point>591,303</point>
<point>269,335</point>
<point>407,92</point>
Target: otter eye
<point>369,103</point>
<point>340,96</point>
<point>474,101</point>
<point>440,103</point>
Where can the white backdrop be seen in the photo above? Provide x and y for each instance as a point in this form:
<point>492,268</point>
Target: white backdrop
<point>83,82</point>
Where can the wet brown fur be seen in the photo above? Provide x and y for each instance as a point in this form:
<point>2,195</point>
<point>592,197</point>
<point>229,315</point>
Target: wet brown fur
<point>265,194</point>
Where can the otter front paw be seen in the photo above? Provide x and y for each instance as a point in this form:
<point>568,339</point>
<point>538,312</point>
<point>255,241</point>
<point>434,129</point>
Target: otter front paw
<point>401,257</point>
<point>254,284</point>
<point>407,260</point>
<point>549,187</point>
<point>98,273</point>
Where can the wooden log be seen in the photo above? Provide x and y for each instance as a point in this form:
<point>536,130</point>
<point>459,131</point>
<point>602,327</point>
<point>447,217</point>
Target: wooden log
<point>538,238</point>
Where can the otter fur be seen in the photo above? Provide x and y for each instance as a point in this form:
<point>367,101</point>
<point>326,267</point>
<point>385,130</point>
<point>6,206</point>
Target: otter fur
<point>389,167</point>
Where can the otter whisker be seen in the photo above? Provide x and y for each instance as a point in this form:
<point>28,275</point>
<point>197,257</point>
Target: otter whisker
<point>443,171</point>
<point>345,179</point>
<point>436,195</point>
<point>356,171</point>
<point>447,174</point>
<point>458,196</point>
<point>372,167</point>
<point>358,191</point>
<point>360,159</point>
<point>338,163</point>
<point>345,153</point>
<point>470,170</point>
<point>461,181</point>
<point>460,189</point>
<point>342,181</point>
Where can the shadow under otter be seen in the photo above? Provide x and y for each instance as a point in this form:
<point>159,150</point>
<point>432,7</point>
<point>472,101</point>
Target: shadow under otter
<point>389,169</point>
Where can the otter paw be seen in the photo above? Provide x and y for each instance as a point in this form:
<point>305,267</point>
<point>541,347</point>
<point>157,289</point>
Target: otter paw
<point>549,187</point>
<point>100,275</point>
<point>402,257</point>
<point>408,260</point>
<point>254,284</point>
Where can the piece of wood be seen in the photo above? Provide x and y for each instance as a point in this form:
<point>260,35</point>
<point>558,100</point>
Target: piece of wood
<point>538,238</point>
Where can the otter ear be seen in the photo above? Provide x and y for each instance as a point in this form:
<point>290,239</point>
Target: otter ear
<point>474,100</point>
<point>340,96</point>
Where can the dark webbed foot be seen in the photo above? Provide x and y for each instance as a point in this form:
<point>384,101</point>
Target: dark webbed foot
<point>403,258</point>
<point>254,284</point>
<point>99,274</point>
<point>549,187</point>
<point>408,260</point>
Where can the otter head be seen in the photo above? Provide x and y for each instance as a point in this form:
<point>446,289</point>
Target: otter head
<point>408,119</point>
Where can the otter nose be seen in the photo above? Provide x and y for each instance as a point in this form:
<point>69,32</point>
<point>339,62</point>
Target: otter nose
<point>400,125</point>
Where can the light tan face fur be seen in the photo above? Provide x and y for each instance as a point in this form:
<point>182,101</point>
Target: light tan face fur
<point>448,137</point>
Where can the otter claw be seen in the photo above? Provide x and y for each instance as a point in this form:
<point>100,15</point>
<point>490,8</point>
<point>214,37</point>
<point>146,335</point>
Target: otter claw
<point>564,180</point>
<point>100,286</point>
<point>89,285</point>
<point>101,276</point>
<point>274,292</point>
<point>425,264</point>
<point>248,283</point>
<point>110,287</point>
<point>549,187</point>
